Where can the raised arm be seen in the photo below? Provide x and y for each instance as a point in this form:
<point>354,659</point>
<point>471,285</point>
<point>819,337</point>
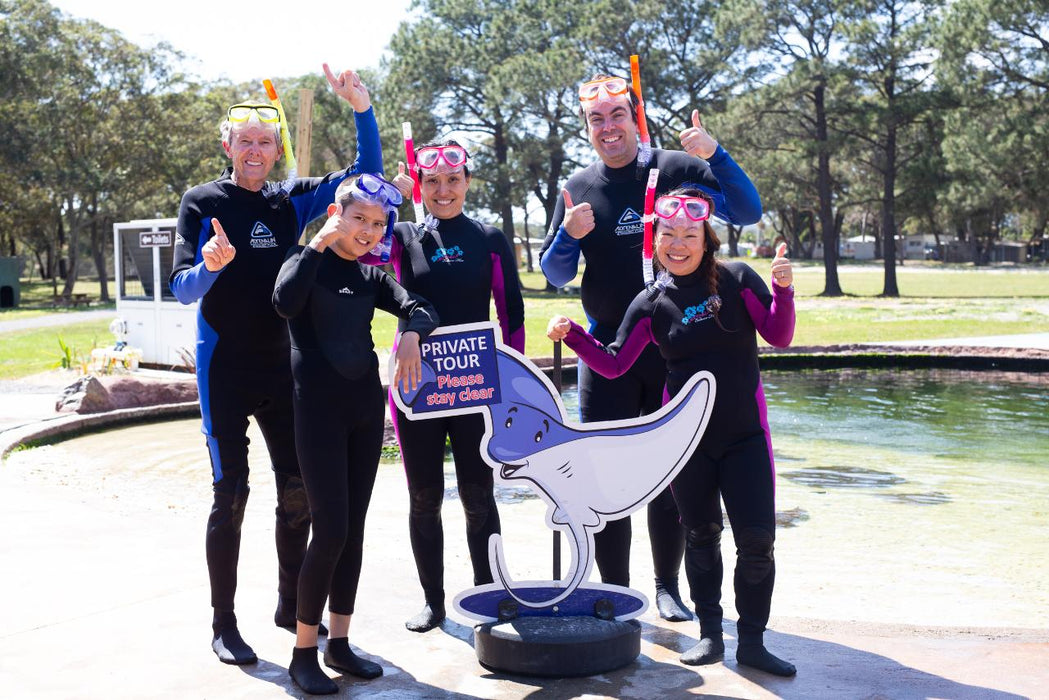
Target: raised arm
<point>773,315</point>
<point>295,280</point>
<point>199,256</point>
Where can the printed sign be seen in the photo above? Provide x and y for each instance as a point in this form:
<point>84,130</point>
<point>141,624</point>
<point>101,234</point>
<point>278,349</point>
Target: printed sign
<point>587,473</point>
<point>154,239</point>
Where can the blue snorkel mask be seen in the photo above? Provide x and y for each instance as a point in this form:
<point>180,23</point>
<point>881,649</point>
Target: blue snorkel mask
<point>374,189</point>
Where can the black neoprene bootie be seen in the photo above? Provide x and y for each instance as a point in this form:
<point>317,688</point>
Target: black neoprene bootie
<point>668,601</point>
<point>431,616</point>
<point>226,641</point>
<point>307,674</point>
<point>284,616</point>
<point>711,646</point>
<point>340,656</point>
<point>757,656</point>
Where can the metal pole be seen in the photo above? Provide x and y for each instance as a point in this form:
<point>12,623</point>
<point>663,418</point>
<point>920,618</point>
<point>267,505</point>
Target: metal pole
<point>557,533</point>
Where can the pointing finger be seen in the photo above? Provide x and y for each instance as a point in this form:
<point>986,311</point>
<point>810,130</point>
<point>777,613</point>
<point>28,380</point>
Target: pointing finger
<point>568,199</point>
<point>216,229</point>
<point>332,80</point>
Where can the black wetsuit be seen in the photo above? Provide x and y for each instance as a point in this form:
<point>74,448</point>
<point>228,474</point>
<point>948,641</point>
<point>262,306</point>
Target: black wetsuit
<point>734,457</point>
<point>612,278</point>
<point>242,350</point>
<point>339,408</point>
<point>460,268</point>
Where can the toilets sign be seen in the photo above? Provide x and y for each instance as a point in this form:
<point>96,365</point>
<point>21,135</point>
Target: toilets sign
<point>465,371</point>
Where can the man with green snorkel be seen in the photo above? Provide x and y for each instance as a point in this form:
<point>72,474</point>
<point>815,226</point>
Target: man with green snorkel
<point>231,239</point>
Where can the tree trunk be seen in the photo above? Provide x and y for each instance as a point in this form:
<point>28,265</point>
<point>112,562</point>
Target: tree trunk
<point>74,248</point>
<point>502,180</point>
<point>98,254</point>
<point>888,215</point>
<point>831,284</point>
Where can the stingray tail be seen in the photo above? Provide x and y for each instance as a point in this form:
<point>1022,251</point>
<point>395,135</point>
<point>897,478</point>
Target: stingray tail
<point>578,542</point>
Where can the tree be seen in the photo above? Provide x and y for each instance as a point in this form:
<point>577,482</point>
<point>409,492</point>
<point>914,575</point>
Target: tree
<point>890,60</point>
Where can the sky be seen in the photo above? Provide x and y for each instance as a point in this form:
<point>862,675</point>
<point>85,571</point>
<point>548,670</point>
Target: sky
<point>249,41</point>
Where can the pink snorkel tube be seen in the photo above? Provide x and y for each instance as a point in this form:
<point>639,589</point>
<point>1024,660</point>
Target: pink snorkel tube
<point>409,156</point>
<point>650,207</point>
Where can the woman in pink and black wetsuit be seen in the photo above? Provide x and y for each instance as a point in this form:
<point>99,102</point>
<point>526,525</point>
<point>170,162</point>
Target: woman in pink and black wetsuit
<point>460,265</point>
<point>703,315</point>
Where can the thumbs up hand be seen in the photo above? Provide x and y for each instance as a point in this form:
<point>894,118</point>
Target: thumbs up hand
<point>696,140</point>
<point>782,273</point>
<point>579,219</point>
<point>218,251</point>
<point>403,181</point>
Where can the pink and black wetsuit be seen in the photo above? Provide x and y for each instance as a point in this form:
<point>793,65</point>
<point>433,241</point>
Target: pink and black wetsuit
<point>734,458</point>
<point>460,265</point>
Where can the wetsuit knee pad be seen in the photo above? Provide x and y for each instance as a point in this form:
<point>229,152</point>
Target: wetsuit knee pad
<point>477,502</point>
<point>232,493</point>
<point>426,501</point>
<point>754,547</point>
<point>293,507</point>
<point>703,545</point>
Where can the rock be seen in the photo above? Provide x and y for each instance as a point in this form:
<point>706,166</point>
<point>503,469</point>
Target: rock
<point>85,395</point>
<point>130,392</point>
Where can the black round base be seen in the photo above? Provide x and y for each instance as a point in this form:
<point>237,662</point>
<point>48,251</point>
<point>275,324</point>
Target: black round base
<point>558,647</point>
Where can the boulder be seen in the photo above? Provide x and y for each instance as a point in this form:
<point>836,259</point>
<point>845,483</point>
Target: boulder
<point>85,395</point>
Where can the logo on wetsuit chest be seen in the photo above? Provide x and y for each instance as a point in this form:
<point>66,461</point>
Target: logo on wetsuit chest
<point>262,237</point>
<point>345,290</point>
<point>448,255</point>
<point>702,312</point>
<point>630,223</point>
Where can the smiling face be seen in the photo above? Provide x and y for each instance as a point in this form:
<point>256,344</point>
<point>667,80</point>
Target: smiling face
<point>367,226</point>
<point>254,149</point>
<point>444,190</point>
<point>680,243</point>
<point>612,131</point>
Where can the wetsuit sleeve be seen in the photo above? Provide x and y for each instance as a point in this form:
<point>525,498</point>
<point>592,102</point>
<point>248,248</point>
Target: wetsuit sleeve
<point>736,200</point>
<point>506,291</point>
<point>311,196</point>
<point>190,279</point>
<point>772,314</point>
<point>635,332</point>
<point>559,256</point>
<point>391,297</point>
<point>295,280</point>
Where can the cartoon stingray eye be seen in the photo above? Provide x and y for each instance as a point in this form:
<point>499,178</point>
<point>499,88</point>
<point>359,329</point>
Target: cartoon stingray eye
<point>509,422</point>
<point>539,436</point>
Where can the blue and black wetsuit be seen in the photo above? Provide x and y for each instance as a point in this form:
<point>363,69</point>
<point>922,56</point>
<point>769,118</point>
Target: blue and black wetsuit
<point>329,302</point>
<point>734,457</point>
<point>460,265</point>
<point>611,280</point>
<point>242,354</point>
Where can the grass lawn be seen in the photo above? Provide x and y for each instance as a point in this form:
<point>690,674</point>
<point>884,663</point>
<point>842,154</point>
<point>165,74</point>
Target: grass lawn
<point>32,351</point>
<point>936,301</point>
<point>36,299</point>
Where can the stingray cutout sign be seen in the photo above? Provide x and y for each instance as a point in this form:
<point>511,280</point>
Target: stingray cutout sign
<point>588,474</point>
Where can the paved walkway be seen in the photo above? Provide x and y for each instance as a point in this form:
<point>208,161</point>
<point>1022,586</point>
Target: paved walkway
<point>55,319</point>
<point>106,597</point>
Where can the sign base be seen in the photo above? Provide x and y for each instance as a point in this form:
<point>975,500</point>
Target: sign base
<point>557,647</point>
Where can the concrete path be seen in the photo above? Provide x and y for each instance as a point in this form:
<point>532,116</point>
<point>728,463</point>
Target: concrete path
<point>106,596</point>
<point>55,319</point>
